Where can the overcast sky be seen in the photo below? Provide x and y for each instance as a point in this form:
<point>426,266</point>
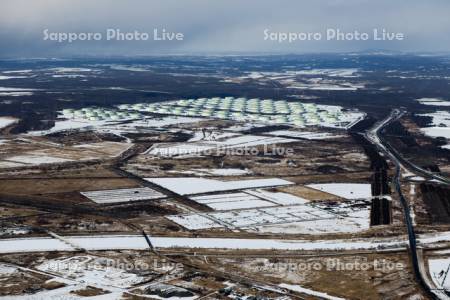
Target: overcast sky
<point>219,26</point>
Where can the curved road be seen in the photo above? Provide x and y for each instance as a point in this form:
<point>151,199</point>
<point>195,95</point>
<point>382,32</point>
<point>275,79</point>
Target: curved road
<point>373,136</point>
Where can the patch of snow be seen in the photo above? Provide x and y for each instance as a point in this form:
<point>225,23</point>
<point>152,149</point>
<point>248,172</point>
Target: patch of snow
<point>305,134</point>
<point>438,269</point>
<point>297,288</point>
<point>231,201</point>
<point>122,195</point>
<point>278,197</point>
<point>437,131</point>
<point>345,190</point>
<point>92,270</point>
<point>17,71</point>
<point>434,101</point>
<point>37,159</point>
<point>194,222</point>
<point>69,70</point>
<point>224,172</point>
<point>7,121</point>
<point>16,94</point>
<point>2,77</point>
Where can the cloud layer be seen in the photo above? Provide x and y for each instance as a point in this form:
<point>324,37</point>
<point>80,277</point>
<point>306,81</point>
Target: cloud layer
<point>220,26</point>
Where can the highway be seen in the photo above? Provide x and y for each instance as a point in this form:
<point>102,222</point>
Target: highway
<point>373,136</point>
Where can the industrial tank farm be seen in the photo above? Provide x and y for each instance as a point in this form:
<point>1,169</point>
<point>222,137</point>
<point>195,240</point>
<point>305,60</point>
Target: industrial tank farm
<point>254,110</point>
<point>100,114</point>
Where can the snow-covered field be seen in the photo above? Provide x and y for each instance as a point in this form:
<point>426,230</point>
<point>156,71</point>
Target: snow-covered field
<point>3,77</point>
<point>240,200</point>
<point>192,186</point>
<point>341,72</point>
<point>345,190</point>
<point>293,219</point>
<point>297,288</point>
<point>434,101</point>
<point>116,123</point>
<point>91,269</point>
<point>311,79</point>
<point>441,124</point>
<point>15,92</point>
<point>122,195</point>
<point>240,141</point>
<point>214,172</point>
<point>437,131</point>
<point>36,159</point>
<point>138,242</point>
<point>438,270</point>
<point>6,121</point>
<point>277,197</point>
<point>52,153</point>
<point>305,134</point>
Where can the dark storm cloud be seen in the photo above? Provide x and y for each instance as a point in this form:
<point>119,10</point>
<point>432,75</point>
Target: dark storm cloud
<point>220,25</point>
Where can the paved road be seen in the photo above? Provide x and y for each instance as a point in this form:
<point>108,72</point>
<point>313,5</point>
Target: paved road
<point>373,135</point>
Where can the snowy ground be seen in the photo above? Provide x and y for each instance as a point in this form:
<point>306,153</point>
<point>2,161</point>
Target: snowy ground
<point>440,126</point>
<point>6,121</point>
<point>305,134</point>
<point>91,269</point>
<point>231,201</point>
<point>297,288</point>
<point>52,153</point>
<point>122,195</point>
<point>36,159</point>
<point>138,242</point>
<point>438,269</point>
<point>310,79</point>
<point>306,218</point>
<point>191,185</point>
<point>240,141</point>
<point>345,190</point>
<point>15,92</point>
<point>214,172</point>
<point>434,101</point>
<point>70,122</point>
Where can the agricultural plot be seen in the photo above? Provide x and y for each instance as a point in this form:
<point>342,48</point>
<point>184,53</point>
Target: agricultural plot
<point>231,201</point>
<point>433,101</point>
<point>295,219</point>
<point>26,152</point>
<point>122,195</point>
<point>214,172</point>
<point>241,141</point>
<point>94,270</point>
<point>275,212</point>
<point>308,135</point>
<point>192,186</point>
<point>345,190</point>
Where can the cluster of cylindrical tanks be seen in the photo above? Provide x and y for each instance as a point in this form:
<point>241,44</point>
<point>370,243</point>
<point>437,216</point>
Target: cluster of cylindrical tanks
<point>243,109</point>
<point>100,114</point>
<point>239,109</point>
